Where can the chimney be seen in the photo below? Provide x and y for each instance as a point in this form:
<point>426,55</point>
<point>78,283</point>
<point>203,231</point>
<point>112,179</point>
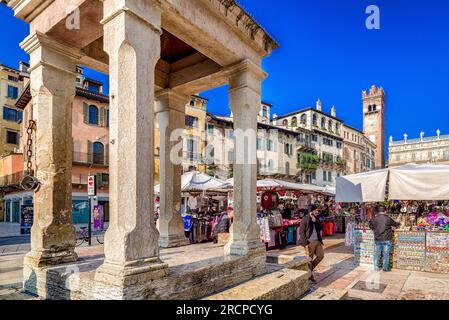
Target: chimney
<point>391,140</point>
<point>405,137</point>
<point>422,136</point>
<point>334,112</point>
<point>318,105</point>
<point>23,66</point>
<point>438,134</point>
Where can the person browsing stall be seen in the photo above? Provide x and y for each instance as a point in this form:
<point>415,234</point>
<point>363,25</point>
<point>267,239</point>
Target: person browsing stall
<point>382,226</point>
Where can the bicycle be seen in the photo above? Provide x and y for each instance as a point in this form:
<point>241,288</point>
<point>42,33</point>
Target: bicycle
<point>82,236</point>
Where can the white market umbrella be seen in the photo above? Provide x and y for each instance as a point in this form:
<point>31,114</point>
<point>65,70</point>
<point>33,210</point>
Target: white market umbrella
<point>276,183</point>
<point>197,181</point>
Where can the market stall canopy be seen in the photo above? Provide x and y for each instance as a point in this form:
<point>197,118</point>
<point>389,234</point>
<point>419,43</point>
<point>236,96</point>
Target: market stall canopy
<point>281,184</point>
<point>362,187</point>
<point>419,182</point>
<point>329,190</point>
<point>197,181</point>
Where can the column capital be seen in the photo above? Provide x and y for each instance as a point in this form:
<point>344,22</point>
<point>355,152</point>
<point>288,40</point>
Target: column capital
<point>171,100</point>
<point>244,74</point>
<point>50,50</point>
<point>144,13</point>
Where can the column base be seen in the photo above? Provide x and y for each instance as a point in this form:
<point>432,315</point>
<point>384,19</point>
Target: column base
<point>131,273</point>
<point>242,248</point>
<point>172,241</point>
<point>50,258</point>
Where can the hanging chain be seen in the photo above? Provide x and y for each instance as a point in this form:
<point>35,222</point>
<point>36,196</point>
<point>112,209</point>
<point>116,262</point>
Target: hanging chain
<point>29,182</point>
<point>29,151</point>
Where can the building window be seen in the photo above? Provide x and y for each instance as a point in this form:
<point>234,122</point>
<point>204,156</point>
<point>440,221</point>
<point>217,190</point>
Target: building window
<point>107,118</point>
<point>313,175</point>
<point>13,92</point>
<point>264,112</point>
<point>269,145</point>
<point>329,176</point>
<point>330,125</point>
<point>93,115</point>
<point>231,156</point>
<point>324,175</point>
<point>12,78</point>
<point>304,119</point>
<point>12,137</point>
<point>323,123</point>
<point>294,122</point>
<point>314,120</point>
<point>339,145</point>
<point>285,123</point>
<point>374,107</point>
<point>191,122</point>
<point>314,138</point>
<point>98,153</point>
<point>328,142</point>
<point>287,168</point>
<point>11,114</point>
<point>259,144</point>
<point>270,164</point>
<point>210,129</point>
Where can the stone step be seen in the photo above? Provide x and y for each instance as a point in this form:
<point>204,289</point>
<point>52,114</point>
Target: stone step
<point>288,261</point>
<point>285,284</point>
<point>325,294</point>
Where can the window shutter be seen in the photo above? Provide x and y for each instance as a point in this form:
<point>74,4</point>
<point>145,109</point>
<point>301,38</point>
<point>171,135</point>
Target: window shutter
<point>89,152</point>
<point>85,113</point>
<point>106,154</point>
<point>101,122</point>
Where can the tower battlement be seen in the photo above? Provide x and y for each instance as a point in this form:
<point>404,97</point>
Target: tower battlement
<point>374,91</point>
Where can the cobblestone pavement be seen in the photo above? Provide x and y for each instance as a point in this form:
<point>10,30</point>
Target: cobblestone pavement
<point>336,271</point>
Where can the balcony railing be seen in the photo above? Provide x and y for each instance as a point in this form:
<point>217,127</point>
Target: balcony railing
<point>91,159</point>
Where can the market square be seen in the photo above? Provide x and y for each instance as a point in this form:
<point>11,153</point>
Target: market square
<point>144,156</point>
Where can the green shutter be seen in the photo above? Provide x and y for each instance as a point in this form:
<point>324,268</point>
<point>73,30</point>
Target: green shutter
<point>85,113</point>
<point>101,122</point>
<point>89,151</point>
<point>106,154</point>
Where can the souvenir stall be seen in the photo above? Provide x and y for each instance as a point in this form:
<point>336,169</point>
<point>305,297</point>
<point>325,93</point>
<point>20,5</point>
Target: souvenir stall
<point>418,197</point>
<point>203,199</point>
<point>283,204</point>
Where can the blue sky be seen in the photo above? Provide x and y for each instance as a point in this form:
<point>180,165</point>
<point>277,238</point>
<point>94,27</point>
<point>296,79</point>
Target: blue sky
<point>326,52</point>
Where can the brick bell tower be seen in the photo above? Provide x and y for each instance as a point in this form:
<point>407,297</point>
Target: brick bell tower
<point>374,121</point>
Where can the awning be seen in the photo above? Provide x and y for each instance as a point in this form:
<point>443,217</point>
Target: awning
<point>363,187</point>
<point>419,182</point>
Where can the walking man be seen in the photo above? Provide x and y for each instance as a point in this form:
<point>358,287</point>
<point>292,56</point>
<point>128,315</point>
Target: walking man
<point>310,238</point>
<point>382,226</point>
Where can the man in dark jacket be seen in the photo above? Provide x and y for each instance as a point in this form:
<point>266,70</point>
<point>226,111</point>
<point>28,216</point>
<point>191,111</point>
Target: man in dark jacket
<point>310,239</point>
<point>382,226</point>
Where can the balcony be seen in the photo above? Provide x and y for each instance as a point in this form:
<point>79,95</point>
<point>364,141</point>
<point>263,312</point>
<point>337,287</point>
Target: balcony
<point>97,159</point>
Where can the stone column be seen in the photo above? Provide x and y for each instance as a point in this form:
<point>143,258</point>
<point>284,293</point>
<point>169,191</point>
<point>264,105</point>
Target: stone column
<point>245,100</point>
<point>170,115</point>
<point>132,40</point>
<point>52,72</point>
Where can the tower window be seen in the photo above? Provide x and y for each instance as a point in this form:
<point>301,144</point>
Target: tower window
<point>374,107</point>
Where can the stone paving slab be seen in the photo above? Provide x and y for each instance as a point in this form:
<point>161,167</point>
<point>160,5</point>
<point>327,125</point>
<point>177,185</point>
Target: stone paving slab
<point>326,294</point>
